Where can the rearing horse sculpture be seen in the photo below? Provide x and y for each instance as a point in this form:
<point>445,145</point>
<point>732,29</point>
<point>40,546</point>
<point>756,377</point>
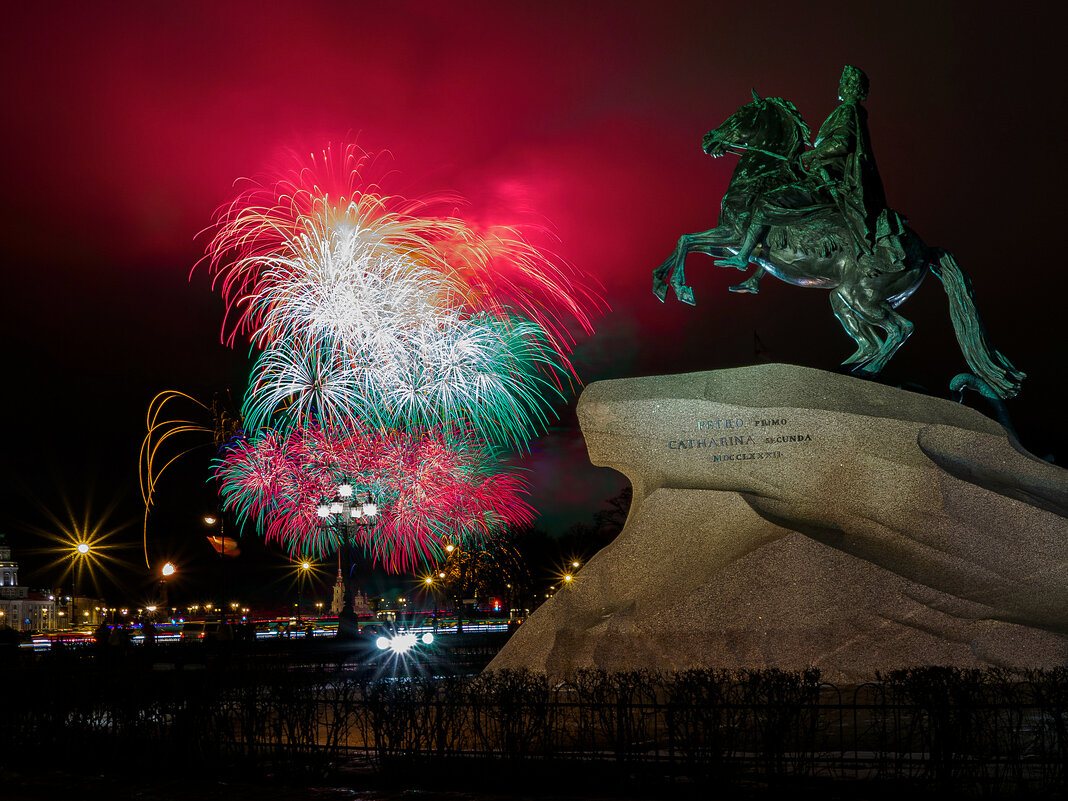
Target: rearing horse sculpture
<point>810,245</point>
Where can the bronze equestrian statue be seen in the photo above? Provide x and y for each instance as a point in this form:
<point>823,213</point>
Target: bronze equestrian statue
<point>819,218</point>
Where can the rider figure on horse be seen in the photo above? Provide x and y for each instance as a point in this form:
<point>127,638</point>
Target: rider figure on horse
<point>821,221</point>
<point>842,156</point>
<point>841,163</point>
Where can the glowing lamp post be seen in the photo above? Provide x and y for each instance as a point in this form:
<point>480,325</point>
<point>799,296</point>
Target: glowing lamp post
<point>167,570</point>
<point>211,520</point>
<point>428,585</point>
<point>302,575</point>
<point>82,554</point>
<point>347,513</point>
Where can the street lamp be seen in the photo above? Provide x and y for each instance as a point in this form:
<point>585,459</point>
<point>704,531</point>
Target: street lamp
<point>302,576</point>
<point>428,585</point>
<point>82,554</point>
<point>347,513</point>
<point>168,569</point>
<point>211,520</point>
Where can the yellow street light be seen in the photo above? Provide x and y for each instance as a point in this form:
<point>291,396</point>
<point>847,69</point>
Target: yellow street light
<point>168,569</point>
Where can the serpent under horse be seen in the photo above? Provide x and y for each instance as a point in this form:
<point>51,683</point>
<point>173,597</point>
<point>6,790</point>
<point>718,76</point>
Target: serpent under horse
<point>811,246</point>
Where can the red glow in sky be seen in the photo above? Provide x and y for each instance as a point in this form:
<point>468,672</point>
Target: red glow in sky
<point>125,127</point>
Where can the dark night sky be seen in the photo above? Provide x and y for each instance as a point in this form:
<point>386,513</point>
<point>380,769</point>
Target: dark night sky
<point>125,126</point>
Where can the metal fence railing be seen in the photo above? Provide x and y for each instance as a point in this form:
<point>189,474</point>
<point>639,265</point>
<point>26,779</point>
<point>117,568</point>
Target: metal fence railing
<point>997,730</point>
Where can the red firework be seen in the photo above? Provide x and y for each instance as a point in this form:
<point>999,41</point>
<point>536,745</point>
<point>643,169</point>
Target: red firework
<point>432,487</point>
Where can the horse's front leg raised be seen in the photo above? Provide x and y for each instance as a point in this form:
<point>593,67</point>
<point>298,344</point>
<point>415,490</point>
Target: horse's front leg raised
<point>666,271</point>
<point>673,270</point>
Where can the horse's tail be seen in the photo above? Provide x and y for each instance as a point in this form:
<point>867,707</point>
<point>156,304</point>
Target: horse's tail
<point>987,363</point>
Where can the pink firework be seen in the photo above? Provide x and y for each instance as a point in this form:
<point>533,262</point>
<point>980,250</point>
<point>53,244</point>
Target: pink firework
<point>503,273</point>
<point>278,220</point>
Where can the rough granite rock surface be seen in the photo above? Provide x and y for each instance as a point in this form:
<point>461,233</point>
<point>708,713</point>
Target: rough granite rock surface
<point>788,517</point>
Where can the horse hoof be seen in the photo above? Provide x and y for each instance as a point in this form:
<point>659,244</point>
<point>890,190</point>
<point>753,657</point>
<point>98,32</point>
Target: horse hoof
<point>744,289</point>
<point>859,357</point>
<point>685,294</point>
<point>660,289</point>
<point>866,371</point>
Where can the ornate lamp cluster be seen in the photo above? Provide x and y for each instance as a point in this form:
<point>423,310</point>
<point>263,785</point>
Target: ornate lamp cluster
<point>347,509</point>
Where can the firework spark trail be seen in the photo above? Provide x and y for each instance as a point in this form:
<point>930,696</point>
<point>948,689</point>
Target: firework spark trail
<point>504,274</point>
<point>160,428</point>
<point>339,283</point>
<point>473,373</point>
<point>311,204</point>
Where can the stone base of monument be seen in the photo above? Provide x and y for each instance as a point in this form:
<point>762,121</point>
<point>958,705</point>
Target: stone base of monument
<point>785,517</point>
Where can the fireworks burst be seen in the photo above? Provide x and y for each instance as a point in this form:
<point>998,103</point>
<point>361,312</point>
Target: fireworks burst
<point>322,224</point>
<point>401,349</point>
<point>432,486</point>
<point>474,372</point>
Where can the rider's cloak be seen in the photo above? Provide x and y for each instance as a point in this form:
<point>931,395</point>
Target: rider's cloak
<point>843,149</point>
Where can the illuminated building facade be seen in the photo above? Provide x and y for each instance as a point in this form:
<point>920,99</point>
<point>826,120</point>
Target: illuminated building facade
<point>21,608</point>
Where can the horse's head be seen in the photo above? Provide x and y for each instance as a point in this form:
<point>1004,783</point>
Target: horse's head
<point>767,124</point>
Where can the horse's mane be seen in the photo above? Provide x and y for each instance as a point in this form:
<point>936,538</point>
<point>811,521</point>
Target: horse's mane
<point>802,130</point>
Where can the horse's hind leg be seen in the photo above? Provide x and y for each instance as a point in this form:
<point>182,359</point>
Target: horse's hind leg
<point>878,312</point>
<point>751,285</point>
<point>866,336</point>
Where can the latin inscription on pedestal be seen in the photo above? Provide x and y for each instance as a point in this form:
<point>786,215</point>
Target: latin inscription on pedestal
<point>737,439</point>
